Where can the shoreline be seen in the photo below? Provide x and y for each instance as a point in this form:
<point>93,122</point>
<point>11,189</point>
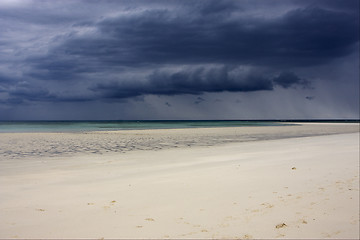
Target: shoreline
<point>87,129</point>
<point>40,145</point>
<point>305,187</point>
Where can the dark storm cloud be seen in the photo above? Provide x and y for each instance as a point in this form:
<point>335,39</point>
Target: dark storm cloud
<point>197,81</point>
<point>209,33</point>
<point>301,37</point>
<point>67,68</point>
<point>113,50</point>
<point>23,92</point>
<point>189,81</point>
<point>289,79</point>
<point>20,93</point>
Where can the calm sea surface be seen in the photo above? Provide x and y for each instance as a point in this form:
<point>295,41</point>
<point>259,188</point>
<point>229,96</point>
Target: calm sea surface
<point>78,126</point>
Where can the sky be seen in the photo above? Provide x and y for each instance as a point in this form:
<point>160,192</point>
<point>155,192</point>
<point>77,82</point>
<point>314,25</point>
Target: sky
<point>184,59</point>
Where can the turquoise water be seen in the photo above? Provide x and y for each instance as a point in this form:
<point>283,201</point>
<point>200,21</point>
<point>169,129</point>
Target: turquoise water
<point>78,126</point>
<point>81,126</point>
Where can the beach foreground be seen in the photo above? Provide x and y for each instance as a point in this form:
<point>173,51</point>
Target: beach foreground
<point>294,184</point>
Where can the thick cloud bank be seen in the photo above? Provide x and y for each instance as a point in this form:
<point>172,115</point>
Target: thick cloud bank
<point>85,51</point>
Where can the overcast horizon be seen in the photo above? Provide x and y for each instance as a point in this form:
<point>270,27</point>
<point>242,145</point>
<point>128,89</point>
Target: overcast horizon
<point>137,60</point>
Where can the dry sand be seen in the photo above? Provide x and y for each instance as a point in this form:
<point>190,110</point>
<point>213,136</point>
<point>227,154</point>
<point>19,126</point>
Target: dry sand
<point>257,182</point>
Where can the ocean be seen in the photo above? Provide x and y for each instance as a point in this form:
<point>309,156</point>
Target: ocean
<point>80,126</point>
<point>84,126</point>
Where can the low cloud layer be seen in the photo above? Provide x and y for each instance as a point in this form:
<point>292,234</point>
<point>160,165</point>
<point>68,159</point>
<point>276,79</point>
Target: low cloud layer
<point>197,81</point>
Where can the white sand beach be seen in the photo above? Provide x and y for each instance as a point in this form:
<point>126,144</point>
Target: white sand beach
<point>298,181</point>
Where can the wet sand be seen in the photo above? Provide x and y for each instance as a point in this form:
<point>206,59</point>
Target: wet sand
<point>248,182</point>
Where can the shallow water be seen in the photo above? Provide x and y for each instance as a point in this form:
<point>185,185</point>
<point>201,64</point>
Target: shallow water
<point>79,126</point>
